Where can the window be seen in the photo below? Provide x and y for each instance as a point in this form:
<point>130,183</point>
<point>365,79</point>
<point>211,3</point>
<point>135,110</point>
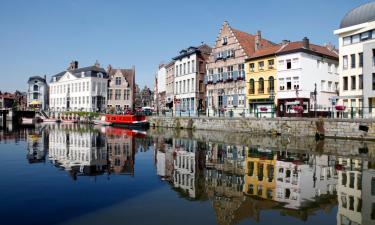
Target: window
<point>188,85</point>
<point>323,85</point>
<point>329,86</point>
<point>295,83</point>
<point>110,94</point>
<point>352,60</point>
<point>288,64</point>
<point>271,84</point>
<point>360,56</point>
<point>281,84</point>
<point>220,72</point>
<point>288,84</point>
<point>35,95</point>
<point>373,81</point>
<point>230,72</point>
<point>345,62</point>
<point>180,70</point>
<point>251,87</point>
<point>347,40</point>
<point>352,82</point>
<point>271,62</point>
<point>188,67</point>
<point>36,88</point>
<point>225,40</point>
<point>192,85</point>
<point>184,68</point>
<point>360,82</point>
<point>184,87</point>
<point>355,38</point>
<point>345,83</point>
<point>117,94</point>
<point>176,70</point>
<point>365,36</point>
<point>261,65</point>
<point>241,70</point>
<point>251,66</point>
<point>126,94</point>
<point>281,63</point>
<point>261,85</point>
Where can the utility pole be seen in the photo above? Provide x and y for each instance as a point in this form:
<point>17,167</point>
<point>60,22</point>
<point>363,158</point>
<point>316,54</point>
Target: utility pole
<point>315,100</point>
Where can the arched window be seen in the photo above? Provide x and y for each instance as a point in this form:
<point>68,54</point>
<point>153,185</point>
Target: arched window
<point>271,84</point>
<point>252,87</point>
<point>36,88</point>
<point>261,85</point>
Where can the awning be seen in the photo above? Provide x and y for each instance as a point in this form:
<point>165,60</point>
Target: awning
<point>35,102</point>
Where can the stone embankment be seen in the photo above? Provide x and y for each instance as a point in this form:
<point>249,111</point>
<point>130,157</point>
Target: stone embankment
<point>362,129</point>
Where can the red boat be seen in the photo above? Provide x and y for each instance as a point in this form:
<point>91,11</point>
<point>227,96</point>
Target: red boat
<point>137,121</point>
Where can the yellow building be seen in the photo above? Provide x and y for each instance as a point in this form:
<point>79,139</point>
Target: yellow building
<point>260,172</point>
<point>261,82</point>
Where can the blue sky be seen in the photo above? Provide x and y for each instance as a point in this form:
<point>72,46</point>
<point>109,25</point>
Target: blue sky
<point>42,37</point>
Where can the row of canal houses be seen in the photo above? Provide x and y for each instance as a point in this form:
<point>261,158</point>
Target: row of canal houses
<point>246,74</point>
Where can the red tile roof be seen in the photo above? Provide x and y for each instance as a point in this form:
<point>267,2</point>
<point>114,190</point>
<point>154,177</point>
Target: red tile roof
<point>266,51</point>
<point>247,41</point>
<point>317,49</point>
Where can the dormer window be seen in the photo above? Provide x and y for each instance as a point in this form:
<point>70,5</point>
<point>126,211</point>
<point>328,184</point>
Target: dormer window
<point>225,40</point>
<point>118,81</point>
<point>100,75</point>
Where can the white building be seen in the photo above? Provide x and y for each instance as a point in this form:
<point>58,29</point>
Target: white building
<point>190,67</point>
<point>37,94</point>
<point>80,153</point>
<point>298,184</point>
<point>357,53</point>
<point>79,89</point>
<point>302,67</point>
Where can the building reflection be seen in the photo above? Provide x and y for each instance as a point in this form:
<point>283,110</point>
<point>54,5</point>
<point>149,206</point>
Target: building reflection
<point>84,151</point>
<point>356,191</point>
<point>37,146</point>
<point>80,152</point>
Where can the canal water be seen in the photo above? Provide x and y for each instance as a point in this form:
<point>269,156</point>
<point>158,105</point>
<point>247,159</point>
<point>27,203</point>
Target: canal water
<point>77,174</point>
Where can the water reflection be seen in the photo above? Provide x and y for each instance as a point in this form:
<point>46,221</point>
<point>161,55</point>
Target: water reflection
<point>239,180</point>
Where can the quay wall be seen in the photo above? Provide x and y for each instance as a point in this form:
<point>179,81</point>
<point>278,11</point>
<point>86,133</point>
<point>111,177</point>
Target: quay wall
<point>363,129</point>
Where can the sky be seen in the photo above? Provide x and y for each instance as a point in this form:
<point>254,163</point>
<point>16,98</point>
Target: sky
<point>41,37</point>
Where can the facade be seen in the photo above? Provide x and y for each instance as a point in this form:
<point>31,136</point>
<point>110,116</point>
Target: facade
<point>304,72</point>
<point>121,89</point>
<point>261,80</point>
<point>169,85</point>
<point>357,53</point>
<point>37,95</point>
<point>189,88</point>
<point>147,97</point>
<point>160,88</point>
<point>226,70</point>
<point>79,153</point>
<point>79,89</point>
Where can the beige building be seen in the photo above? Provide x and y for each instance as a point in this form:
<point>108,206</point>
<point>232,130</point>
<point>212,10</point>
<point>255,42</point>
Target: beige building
<point>169,84</point>
<point>226,70</point>
<point>121,89</point>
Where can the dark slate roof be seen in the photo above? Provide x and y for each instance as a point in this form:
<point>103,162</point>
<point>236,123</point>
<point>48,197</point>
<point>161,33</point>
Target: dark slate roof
<point>205,49</point>
<point>362,14</point>
<point>90,71</point>
<point>37,78</point>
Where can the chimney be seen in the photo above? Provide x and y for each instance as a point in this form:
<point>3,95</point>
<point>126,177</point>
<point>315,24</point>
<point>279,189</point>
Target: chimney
<point>330,46</point>
<point>97,64</point>
<point>306,43</point>
<point>258,38</point>
<point>284,42</point>
<point>73,65</point>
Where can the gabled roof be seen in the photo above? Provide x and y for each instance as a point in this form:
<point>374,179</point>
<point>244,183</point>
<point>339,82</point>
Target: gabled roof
<point>313,49</point>
<point>128,74</point>
<point>268,51</point>
<point>247,41</point>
